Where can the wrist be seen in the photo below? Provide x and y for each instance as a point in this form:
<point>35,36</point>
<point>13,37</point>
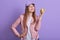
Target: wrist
<point>18,36</point>
<point>21,36</point>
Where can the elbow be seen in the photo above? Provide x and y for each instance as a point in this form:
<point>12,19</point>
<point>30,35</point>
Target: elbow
<point>37,28</point>
<point>12,27</point>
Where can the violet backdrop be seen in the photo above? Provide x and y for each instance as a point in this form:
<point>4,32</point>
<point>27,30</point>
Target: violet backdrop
<point>11,9</point>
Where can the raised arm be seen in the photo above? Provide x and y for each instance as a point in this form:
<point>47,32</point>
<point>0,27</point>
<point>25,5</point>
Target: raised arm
<point>14,25</point>
<point>39,19</point>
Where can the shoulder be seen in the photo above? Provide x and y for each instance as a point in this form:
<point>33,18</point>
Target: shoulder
<point>21,16</point>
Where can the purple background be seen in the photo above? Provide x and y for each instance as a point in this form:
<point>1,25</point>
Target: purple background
<point>11,9</point>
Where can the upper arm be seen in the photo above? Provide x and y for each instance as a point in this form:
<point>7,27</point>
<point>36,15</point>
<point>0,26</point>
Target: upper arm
<point>37,17</point>
<point>17,22</point>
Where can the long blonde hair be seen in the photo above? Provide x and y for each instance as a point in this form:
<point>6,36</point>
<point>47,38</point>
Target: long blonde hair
<point>26,15</point>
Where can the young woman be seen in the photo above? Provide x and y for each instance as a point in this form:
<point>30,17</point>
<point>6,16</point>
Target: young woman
<point>30,23</point>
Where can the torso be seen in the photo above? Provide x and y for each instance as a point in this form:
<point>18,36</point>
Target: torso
<point>33,32</point>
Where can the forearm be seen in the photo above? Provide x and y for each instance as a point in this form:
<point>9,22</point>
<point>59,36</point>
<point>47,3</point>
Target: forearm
<point>24,33</point>
<point>40,17</point>
<point>15,31</point>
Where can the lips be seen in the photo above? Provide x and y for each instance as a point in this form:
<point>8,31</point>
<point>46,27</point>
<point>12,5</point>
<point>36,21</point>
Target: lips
<point>31,9</point>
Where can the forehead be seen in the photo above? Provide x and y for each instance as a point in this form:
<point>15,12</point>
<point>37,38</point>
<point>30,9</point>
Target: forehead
<point>31,5</point>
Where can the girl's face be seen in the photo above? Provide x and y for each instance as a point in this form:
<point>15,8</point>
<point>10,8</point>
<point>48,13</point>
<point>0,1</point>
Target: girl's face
<point>31,8</point>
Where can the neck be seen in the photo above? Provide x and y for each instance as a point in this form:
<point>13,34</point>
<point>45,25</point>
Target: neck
<point>30,14</point>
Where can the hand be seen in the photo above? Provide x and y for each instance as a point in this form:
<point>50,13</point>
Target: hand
<point>42,11</point>
<point>19,36</point>
<point>23,34</point>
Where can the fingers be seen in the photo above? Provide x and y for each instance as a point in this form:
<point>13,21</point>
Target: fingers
<point>42,10</point>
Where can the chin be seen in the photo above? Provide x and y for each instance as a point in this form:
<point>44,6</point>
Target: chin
<point>32,11</point>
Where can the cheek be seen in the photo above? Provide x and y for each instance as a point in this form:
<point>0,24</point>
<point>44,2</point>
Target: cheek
<point>31,9</point>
